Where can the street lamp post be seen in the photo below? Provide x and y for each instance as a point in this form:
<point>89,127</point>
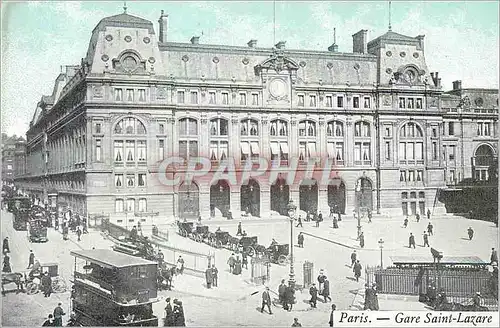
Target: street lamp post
<point>291,213</point>
<point>381,245</point>
<point>360,196</point>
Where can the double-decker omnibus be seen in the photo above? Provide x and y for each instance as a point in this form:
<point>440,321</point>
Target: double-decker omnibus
<point>113,289</point>
<point>20,207</point>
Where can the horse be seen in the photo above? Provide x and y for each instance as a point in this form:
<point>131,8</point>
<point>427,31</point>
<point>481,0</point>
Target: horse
<point>165,277</point>
<point>13,277</point>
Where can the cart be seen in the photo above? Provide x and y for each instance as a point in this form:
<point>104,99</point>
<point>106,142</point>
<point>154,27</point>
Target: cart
<point>201,233</point>
<point>221,238</point>
<point>185,228</point>
<point>247,245</point>
<point>278,254</point>
<point>33,279</point>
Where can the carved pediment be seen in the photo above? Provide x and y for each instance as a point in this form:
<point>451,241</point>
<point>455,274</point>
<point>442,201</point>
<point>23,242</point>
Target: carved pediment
<point>408,75</point>
<point>278,62</point>
<point>129,62</point>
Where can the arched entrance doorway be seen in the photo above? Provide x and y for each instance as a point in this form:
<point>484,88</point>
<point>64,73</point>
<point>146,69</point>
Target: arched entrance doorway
<point>308,196</point>
<point>336,195</point>
<point>280,195</point>
<point>364,197</point>
<point>189,201</point>
<point>484,163</point>
<point>250,198</point>
<point>219,198</point>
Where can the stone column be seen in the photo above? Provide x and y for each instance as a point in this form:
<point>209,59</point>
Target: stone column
<point>204,201</point>
<point>235,201</point>
<point>234,146</point>
<point>323,200</point>
<point>349,144</point>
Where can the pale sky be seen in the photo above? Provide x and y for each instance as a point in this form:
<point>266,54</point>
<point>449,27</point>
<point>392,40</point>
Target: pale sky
<point>461,38</point>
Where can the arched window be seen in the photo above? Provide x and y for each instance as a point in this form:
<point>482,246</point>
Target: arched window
<point>307,140</point>
<point>249,141</point>
<point>129,141</point>
<point>411,144</point>
<point>362,129</point>
<point>279,128</point>
<point>219,140</point>
<point>335,141</point>
<point>279,141</point>
<point>362,143</point>
<point>411,130</point>
<point>218,127</point>
<point>335,129</point>
<point>249,128</point>
<point>188,138</point>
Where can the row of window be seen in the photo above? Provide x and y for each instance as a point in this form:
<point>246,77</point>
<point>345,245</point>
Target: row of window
<point>213,99</point>
<point>410,103</point>
<point>411,175</point>
<point>129,205</point>
<point>129,180</point>
<point>131,95</point>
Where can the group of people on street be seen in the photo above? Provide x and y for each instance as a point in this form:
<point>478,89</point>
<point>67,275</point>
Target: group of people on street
<point>371,298</point>
<point>286,296</point>
<point>6,258</point>
<point>235,264</point>
<point>174,315</point>
<point>211,276</point>
<point>55,319</point>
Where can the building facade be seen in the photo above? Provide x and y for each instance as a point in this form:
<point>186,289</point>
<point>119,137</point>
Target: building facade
<point>376,117</point>
<point>13,157</point>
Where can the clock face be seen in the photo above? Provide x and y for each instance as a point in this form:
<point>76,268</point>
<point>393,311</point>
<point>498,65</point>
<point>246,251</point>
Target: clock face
<point>277,88</point>
<point>410,76</point>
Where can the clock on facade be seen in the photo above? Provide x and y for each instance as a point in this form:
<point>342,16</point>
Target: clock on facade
<point>410,76</point>
<point>277,88</point>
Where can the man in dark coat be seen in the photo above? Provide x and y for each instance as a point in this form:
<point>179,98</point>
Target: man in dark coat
<point>133,233</point>
<point>49,322</point>
<point>334,307</point>
<point>326,290</point>
<point>281,293</point>
<point>58,314</point>
<point>209,277</point>
<point>266,300</point>
<point>6,264</point>
<point>79,232</point>
<point>470,231</point>
<point>5,246</point>
<point>417,217</point>
<point>46,282</point>
<point>494,256</point>
<point>300,222</point>
<point>368,297</point>
<point>369,216</point>
<point>244,260</point>
<point>169,314</point>
<point>429,229</point>
<point>428,214</point>
<point>179,320</point>
<point>426,240</point>
<point>353,258</point>
<point>405,222</point>
<point>313,291</point>
<point>335,223</point>
<point>300,240</point>
<point>411,241</point>
<point>239,233</point>
<point>289,298</point>
<point>362,240</point>
<point>231,261</point>
<point>215,275</point>
<point>357,270</point>
<point>31,260</point>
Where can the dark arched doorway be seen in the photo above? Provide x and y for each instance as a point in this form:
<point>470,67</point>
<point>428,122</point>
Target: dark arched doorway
<point>280,195</point>
<point>364,197</point>
<point>220,198</point>
<point>250,198</point>
<point>308,196</point>
<point>484,163</point>
<point>189,201</point>
<point>336,196</point>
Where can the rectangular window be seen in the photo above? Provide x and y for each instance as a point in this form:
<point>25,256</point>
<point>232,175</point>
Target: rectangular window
<point>366,152</point>
<point>302,129</point>
<point>419,103</point>
<point>161,150</point>
<point>98,150</point>
<point>340,101</point>
<point>434,151</point>
<point>402,151</point>
<point>243,99</point>
<point>130,205</point>
<point>142,95</point>
<point>302,151</point>
<point>434,132</point>
<point>118,94</point>
<point>451,152</point>
<point>402,103</point>
<point>225,98</point>
<point>387,150</point>
<point>329,102</point>
<point>410,151</point>
<point>339,151</point>
<point>119,206</point>
<point>419,151</point>
<point>130,150</point>
<point>255,99</point>
<point>301,100</point>
<point>387,132</point>
<point>410,102</point>
<point>451,129</point>
<point>130,180</point>
<point>97,128</point>
<point>141,150</point>
<point>180,97</point>
<point>211,98</point>
<point>118,151</point>
<point>357,151</point>
<point>193,148</point>
<point>141,179</point>
<point>118,180</point>
<point>194,97</point>
<point>130,94</point>
<point>142,205</point>
<point>312,101</point>
<point>161,128</point>
<point>355,102</point>
<point>183,149</point>
<point>366,102</point>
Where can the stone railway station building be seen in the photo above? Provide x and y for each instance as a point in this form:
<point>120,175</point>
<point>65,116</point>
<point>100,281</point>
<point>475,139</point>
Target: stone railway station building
<point>377,114</point>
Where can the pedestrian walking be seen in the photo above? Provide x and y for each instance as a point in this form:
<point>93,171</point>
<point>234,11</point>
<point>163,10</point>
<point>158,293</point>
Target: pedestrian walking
<point>375,297</point>
<point>231,261</point>
<point>326,290</point>
<point>357,270</point>
<point>282,293</point>
<point>300,222</point>
<point>405,222</point>
<point>368,297</point>
<point>179,319</point>
<point>244,260</point>
<point>65,231</point>
<point>426,240</point>
<point>237,266</point>
<point>84,224</point>
<point>215,275</point>
<point>417,217</point>
<point>49,322</point>
<point>362,240</point>
<point>289,298</point>
<point>239,233</point>
<point>31,260</point>
<point>296,323</point>
<point>319,219</point>
<point>266,300</point>
<point>494,256</point>
<point>6,264</point>
<point>334,307</point>
<point>46,282</point>
<point>180,265</point>
<point>411,241</point>
<point>5,246</point>
<point>321,280</point>
<point>353,257</point>
<point>209,277</point>
<point>313,291</point>
<point>335,223</point>
<point>58,314</point>
<point>369,216</point>
<point>78,232</point>
<point>430,228</point>
<point>133,233</point>
<point>169,314</point>
<point>428,214</point>
<point>470,231</point>
<point>300,240</point>
<point>56,223</point>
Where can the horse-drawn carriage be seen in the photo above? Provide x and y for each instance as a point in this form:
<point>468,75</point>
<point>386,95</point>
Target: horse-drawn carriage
<point>222,239</point>
<point>247,245</point>
<point>185,228</point>
<point>278,253</point>
<point>201,234</point>
<point>38,223</point>
<point>32,279</point>
<point>20,207</point>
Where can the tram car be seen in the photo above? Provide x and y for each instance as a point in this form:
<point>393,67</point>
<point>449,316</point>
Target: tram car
<point>113,289</point>
<point>20,207</point>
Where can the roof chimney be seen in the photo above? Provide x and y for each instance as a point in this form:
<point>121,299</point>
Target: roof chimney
<point>280,45</point>
<point>334,47</point>
<point>420,39</point>
<point>360,42</point>
<point>195,40</point>
<point>163,26</point>
<point>457,85</point>
<point>252,43</point>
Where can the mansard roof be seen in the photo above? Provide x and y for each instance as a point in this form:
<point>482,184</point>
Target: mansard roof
<point>125,20</point>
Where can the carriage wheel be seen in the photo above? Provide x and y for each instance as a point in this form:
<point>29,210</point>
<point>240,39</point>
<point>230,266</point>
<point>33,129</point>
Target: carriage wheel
<point>250,251</point>
<point>271,258</point>
<point>198,238</point>
<point>58,285</point>
<point>31,288</point>
<point>282,259</point>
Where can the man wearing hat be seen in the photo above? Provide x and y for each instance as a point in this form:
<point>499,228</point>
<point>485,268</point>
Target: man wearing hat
<point>266,300</point>
<point>476,300</point>
<point>494,256</point>
<point>5,246</point>
<point>231,261</point>
<point>46,282</point>
<point>296,323</point>
<point>58,314</point>
<point>169,314</point>
<point>313,291</point>
<point>334,307</point>
<point>321,280</point>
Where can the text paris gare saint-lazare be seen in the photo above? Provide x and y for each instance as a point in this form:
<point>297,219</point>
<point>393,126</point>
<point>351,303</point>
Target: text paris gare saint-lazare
<point>428,318</point>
